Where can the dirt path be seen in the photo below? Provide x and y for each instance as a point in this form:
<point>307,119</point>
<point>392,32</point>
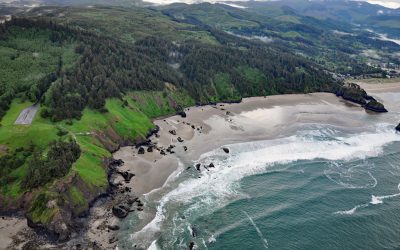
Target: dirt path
<point>26,116</point>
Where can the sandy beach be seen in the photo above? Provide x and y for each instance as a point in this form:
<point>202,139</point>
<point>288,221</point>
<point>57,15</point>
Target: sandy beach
<point>181,141</point>
<point>210,127</point>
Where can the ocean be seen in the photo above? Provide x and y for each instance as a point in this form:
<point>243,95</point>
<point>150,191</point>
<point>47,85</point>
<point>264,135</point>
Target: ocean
<point>321,187</point>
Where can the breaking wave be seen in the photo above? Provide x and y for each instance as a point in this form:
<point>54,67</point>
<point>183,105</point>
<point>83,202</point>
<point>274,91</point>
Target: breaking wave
<point>214,188</point>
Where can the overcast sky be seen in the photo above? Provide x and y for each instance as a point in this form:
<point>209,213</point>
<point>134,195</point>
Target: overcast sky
<point>387,3</point>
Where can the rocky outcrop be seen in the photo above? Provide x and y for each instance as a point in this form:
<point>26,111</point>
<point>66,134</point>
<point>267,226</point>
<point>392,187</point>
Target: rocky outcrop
<point>55,212</point>
<point>126,175</point>
<point>398,127</point>
<point>141,151</point>
<point>226,150</point>
<point>182,114</point>
<point>375,106</point>
<point>354,93</point>
<point>120,211</point>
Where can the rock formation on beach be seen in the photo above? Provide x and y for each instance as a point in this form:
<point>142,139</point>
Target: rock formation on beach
<point>354,93</point>
<point>376,106</point>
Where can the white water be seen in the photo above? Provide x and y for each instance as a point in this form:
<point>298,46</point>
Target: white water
<point>219,186</point>
<point>375,200</point>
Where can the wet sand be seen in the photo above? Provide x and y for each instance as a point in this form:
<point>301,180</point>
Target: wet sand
<point>206,128</point>
<point>209,127</point>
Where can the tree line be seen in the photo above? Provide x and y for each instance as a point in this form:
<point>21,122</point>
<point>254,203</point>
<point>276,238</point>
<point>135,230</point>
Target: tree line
<point>108,68</point>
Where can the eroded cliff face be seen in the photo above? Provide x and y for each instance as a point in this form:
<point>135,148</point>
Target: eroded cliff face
<point>56,210</point>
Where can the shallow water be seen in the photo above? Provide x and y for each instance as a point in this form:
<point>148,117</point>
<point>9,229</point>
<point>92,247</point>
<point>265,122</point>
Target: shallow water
<point>323,187</point>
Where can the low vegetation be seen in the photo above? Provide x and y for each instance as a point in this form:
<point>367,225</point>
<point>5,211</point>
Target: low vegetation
<point>98,85</point>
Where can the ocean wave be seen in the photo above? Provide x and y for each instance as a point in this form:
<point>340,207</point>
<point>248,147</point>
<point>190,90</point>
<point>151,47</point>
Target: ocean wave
<point>351,211</point>
<point>375,200</point>
<point>379,199</point>
<point>353,175</point>
<point>220,186</point>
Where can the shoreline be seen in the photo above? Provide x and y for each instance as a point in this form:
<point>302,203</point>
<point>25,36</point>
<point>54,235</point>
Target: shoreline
<point>218,125</point>
<point>205,128</point>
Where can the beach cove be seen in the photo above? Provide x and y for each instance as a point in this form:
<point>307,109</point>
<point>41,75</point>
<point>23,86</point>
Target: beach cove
<point>166,183</point>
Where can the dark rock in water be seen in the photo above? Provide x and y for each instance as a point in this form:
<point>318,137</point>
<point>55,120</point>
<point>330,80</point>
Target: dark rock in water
<point>194,232</point>
<point>181,113</point>
<point>211,165</point>
<point>172,132</point>
<point>193,127</point>
<point>150,149</point>
<point>191,246</point>
<point>113,227</point>
<point>188,168</point>
<point>185,148</point>
<point>375,106</point>
<point>141,151</point>
<point>180,139</point>
<point>198,166</point>
<point>398,127</point>
<point>226,150</point>
<point>120,211</point>
<point>162,152</point>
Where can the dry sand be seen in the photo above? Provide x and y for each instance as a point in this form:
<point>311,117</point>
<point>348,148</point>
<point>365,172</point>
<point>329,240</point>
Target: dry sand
<point>254,118</point>
<point>9,228</point>
<point>209,127</point>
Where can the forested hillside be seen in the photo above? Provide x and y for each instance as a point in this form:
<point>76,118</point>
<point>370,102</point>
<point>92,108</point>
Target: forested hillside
<point>96,85</point>
<point>89,89</point>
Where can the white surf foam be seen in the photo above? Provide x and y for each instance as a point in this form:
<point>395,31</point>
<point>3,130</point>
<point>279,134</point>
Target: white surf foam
<point>354,175</point>
<point>220,185</point>
<point>153,246</point>
<point>379,199</point>
<point>351,211</point>
<point>375,200</point>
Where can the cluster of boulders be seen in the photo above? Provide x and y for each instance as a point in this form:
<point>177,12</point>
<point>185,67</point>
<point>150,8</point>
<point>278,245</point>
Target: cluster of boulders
<point>122,209</point>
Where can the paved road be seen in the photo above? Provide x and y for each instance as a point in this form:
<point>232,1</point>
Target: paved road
<point>26,116</point>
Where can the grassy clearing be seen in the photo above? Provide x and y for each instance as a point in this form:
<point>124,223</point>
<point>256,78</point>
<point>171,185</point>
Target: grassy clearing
<point>225,89</point>
<point>127,122</point>
<point>158,103</point>
<point>40,132</point>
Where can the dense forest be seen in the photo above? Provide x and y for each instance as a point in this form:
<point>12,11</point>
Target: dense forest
<point>108,67</point>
